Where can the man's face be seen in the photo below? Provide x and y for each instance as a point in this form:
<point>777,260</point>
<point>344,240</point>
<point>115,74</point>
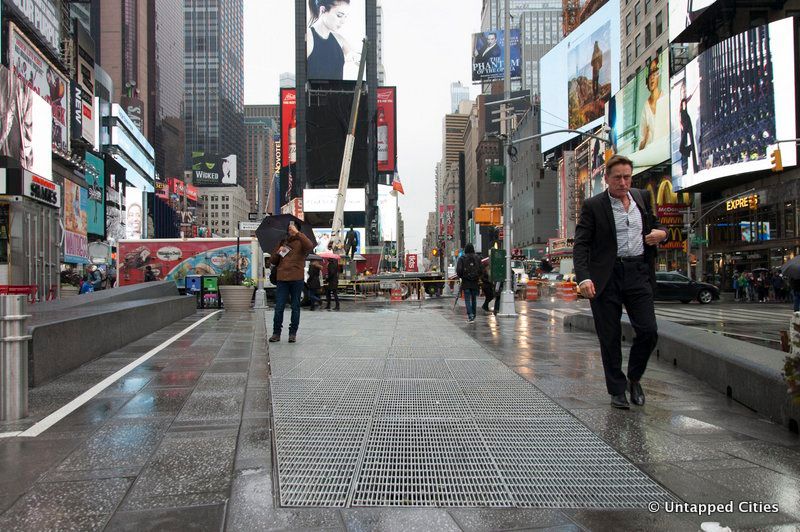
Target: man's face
<point>491,39</point>
<point>618,179</point>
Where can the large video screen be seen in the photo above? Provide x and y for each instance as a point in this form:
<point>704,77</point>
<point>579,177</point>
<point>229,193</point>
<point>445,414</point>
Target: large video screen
<point>582,73</point>
<point>731,104</point>
<point>334,37</point>
<point>683,12</point>
<point>638,116</point>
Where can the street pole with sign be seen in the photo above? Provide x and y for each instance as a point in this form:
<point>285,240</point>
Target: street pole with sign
<point>261,294</point>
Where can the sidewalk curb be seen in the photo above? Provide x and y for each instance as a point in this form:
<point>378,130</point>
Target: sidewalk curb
<point>747,373</point>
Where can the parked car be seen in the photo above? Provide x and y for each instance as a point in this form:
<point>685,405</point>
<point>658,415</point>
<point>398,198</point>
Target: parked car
<point>674,286</point>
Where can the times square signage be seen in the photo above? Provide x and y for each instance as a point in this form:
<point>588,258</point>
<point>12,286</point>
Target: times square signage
<point>41,190</point>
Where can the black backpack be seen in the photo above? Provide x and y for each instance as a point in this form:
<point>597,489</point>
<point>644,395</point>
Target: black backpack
<point>472,267</point>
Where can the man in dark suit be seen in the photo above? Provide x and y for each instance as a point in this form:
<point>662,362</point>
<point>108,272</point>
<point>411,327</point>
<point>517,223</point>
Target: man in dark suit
<point>616,243</point>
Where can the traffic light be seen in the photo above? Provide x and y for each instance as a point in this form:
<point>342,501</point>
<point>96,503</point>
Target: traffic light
<point>435,252</point>
<point>777,163</point>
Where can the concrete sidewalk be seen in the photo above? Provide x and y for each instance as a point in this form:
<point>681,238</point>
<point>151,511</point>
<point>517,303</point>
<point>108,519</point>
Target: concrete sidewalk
<point>499,424</point>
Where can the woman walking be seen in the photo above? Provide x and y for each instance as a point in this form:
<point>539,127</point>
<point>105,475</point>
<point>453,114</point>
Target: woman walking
<point>332,284</point>
<point>314,284</point>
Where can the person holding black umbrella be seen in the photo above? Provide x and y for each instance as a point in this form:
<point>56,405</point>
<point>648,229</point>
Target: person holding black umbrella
<point>289,258</point>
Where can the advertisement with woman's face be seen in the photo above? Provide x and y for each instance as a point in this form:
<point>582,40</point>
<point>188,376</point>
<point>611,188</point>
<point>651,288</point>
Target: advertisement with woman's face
<point>336,30</point>
<point>638,116</point>
<point>714,137</point>
<point>134,213</point>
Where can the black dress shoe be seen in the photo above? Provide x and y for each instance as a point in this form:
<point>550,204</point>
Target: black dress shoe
<point>637,394</point>
<point>620,401</point>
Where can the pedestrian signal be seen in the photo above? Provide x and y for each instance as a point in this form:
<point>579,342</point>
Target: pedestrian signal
<point>775,159</point>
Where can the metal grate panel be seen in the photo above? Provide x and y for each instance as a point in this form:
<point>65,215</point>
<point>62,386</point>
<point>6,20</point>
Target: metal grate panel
<point>420,398</point>
<point>293,367</point>
<point>502,399</point>
<point>317,459</point>
<point>427,463</point>
<point>323,398</point>
<point>417,368</point>
<point>351,368</point>
<point>556,462</point>
<point>428,351</point>
<point>481,370</point>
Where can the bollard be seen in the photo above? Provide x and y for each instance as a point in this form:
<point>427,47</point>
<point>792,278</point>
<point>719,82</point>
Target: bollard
<point>13,358</point>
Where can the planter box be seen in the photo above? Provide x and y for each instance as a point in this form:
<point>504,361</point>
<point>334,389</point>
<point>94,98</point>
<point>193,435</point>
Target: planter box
<point>236,298</point>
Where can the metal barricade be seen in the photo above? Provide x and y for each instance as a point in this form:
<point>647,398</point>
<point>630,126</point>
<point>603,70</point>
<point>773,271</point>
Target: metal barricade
<point>13,358</point>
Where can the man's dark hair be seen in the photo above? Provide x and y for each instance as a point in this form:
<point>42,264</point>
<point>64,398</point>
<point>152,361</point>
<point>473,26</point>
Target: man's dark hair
<point>615,160</point>
<point>469,248</point>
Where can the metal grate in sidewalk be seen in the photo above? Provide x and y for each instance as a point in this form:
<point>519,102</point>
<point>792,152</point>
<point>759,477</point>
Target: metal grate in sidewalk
<point>429,424</point>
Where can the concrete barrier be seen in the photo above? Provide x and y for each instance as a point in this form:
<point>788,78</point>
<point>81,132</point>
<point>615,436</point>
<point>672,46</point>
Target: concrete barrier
<point>64,337</point>
<point>748,373</point>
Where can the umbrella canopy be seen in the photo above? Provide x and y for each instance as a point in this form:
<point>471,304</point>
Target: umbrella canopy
<point>329,255</point>
<point>273,229</point>
<point>792,268</point>
<point>313,256</point>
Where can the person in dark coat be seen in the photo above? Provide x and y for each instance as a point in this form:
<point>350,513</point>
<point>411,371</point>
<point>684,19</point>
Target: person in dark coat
<point>332,284</point>
<point>469,271</point>
<point>314,284</point>
<point>488,288</point>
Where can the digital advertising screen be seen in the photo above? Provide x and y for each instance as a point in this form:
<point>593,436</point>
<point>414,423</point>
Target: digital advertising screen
<point>76,244</point>
<point>334,38</point>
<point>134,213</point>
<point>387,214</point>
<point>582,72</point>
<point>288,143</point>
<point>96,210</point>
<point>323,236</point>
<point>731,104</point>
<point>26,135</point>
<point>324,200</point>
<point>488,54</point>
<point>682,13</point>
<point>386,125</point>
<point>210,170</point>
<point>638,116</point>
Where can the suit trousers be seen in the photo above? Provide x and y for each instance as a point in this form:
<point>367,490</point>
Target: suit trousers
<point>629,285</point>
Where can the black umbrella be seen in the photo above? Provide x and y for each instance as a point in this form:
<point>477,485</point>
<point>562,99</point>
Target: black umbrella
<point>273,229</point>
<point>792,268</point>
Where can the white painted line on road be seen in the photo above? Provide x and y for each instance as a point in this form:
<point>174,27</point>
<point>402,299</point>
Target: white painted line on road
<point>9,434</point>
<point>86,396</point>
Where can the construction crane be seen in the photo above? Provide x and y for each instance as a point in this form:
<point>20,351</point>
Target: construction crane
<point>337,242</point>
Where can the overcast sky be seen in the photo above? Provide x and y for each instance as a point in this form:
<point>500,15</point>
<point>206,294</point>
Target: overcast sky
<point>426,46</point>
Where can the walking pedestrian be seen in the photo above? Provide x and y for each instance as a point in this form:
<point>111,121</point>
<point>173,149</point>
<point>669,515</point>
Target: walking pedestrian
<point>468,269</point>
<point>313,283</point>
<point>289,257</point>
<point>488,288</point>
<point>332,284</point>
<point>615,250</point>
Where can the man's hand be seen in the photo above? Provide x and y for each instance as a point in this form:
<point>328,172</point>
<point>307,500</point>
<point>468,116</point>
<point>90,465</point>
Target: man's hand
<point>292,229</point>
<point>655,237</point>
<point>586,289</point>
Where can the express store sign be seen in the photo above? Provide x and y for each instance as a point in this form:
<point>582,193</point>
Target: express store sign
<point>41,189</point>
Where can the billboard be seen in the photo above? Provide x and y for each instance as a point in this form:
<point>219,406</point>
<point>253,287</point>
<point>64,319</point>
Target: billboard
<point>324,200</point>
<point>41,76</point>
<point>683,12</point>
<point>387,214</point>
<point>731,104</point>
<point>134,213</point>
<point>26,132</point>
<point>386,124</point>
<point>288,143</point>
<point>334,38</point>
<point>597,167</point>
<point>212,171</point>
<point>582,72</point>
<point>488,54</point>
<point>173,261</point>
<point>638,116</point>
<point>43,17</point>
<point>76,202</point>
<point>323,236</point>
<point>83,116</point>
<point>96,207</point>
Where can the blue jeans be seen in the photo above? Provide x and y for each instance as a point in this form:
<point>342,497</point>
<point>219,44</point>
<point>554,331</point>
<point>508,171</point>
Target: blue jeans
<point>796,300</point>
<point>471,301</point>
<point>284,290</point>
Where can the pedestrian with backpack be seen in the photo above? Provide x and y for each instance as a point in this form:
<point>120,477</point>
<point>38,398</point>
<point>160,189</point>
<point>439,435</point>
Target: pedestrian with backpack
<point>469,271</point>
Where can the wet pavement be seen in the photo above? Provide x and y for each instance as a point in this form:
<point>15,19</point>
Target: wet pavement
<point>185,441</point>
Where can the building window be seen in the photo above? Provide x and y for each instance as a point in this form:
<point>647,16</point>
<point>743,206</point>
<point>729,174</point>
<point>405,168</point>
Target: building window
<point>648,5</point>
<point>628,23</point>
<point>638,43</point>
<point>659,23</point>
<point>647,36</point>
<point>628,55</point>
<point>638,13</point>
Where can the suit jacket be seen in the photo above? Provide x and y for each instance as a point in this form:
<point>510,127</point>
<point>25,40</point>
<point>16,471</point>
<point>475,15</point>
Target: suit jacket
<point>595,247</point>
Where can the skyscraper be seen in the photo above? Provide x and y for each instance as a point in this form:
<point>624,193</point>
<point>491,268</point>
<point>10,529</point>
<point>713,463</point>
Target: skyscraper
<point>379,25</point>
<point>214,66</point>
<point>261,124</point>
<point>458,93</point>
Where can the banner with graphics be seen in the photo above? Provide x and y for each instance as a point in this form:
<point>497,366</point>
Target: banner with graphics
<point>76,245</point>
<point>96,211</point>
<point>387,129</point>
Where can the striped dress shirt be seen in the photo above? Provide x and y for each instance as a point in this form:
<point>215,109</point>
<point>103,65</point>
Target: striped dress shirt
<point>628,224</point>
